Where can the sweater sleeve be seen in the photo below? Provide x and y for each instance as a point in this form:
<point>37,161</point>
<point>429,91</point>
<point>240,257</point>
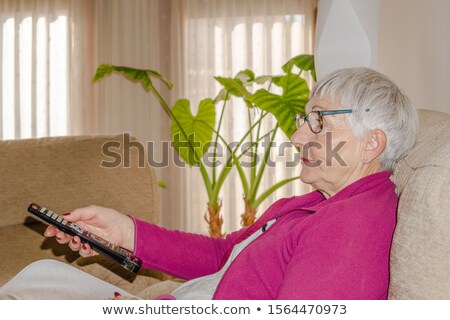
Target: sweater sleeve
<point>180,254</point>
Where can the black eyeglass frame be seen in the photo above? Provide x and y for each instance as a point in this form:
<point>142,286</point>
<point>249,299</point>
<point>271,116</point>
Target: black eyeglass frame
<point>301,118</point>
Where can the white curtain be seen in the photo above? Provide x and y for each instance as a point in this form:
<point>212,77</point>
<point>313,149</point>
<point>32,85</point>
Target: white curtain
<point>50,50</point>
<point>34,68</point>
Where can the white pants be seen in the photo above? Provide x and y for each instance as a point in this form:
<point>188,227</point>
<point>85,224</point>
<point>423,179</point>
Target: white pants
<point>54,280</point>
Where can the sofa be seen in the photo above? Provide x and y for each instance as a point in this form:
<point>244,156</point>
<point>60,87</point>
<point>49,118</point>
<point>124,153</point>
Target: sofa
<point>64,173</point>
<point>420,253</point>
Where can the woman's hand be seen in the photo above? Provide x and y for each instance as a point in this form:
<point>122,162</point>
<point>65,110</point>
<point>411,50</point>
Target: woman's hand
<point>106,223</point>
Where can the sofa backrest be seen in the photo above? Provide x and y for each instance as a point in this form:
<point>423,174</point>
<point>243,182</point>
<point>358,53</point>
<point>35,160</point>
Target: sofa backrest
<point>420,256</point>
<point>65,173</point>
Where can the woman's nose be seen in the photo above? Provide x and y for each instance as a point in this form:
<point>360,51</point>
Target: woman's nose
<point>302,136</point>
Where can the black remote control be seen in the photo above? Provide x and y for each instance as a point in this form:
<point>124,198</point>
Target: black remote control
<point>120,255</point>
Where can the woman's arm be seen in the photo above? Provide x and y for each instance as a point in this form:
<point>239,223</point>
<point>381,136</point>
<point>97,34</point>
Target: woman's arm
<point>187,255</point>
<point>180,254</point>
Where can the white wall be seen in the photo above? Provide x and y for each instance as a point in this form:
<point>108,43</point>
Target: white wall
<point>414,49</point>
<point>346,35</point>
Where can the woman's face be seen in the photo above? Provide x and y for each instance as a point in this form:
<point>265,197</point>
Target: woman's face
<point>330,159</point>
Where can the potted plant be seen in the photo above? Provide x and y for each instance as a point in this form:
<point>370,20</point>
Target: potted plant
<point>192,135</point>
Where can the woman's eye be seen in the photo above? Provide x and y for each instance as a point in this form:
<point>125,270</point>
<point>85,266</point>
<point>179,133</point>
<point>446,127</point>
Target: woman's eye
<point>316,120</point>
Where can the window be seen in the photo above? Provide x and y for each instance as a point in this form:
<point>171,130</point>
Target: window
<point>33,74</point>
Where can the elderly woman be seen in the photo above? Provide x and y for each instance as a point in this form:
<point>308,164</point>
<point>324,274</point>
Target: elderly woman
<point>332,243</point>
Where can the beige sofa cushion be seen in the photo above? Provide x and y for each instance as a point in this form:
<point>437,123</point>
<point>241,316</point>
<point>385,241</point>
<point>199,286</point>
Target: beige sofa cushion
<point>65,173</point>
<point>420,258</point>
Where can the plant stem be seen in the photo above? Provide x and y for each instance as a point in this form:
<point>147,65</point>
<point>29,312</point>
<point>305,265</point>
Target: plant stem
<point>226,170</point>
<point>269,191</point>
<point>255,186</point>
<point>253,170</point>
<point>249,215</point>
<point>261,138</point>
<point>249,116</point>
<point>217,138</point>
<point>214,221</point>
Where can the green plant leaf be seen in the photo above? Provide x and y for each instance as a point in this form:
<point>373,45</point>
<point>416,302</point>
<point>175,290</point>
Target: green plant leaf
<point>284,107</point>
<point>198,129</point>
<point>263,79</point>
<point>141,75</point>
<point>102,71</point>
<point>303,62</point>
<point>247,77</point>
<point>234,86</point>
<point>157,75</point>
<point>237,86</point>
<point>222,96</point>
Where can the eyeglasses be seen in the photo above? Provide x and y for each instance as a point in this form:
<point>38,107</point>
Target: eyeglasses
<point>315,118</point>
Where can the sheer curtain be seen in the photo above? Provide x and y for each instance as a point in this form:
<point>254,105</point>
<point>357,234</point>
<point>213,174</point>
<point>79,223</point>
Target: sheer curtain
<point>34,68</point>
<point>50,50</point>
<point>222,38</point>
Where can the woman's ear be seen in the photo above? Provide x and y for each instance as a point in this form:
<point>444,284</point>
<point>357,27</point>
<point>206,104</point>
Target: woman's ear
<point>374,144</point>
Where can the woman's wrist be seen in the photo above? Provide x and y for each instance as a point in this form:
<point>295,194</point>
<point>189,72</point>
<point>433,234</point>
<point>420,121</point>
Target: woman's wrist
<point>129,234</point>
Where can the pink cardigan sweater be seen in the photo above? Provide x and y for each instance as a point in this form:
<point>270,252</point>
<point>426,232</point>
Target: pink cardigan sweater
<point>336,248</point>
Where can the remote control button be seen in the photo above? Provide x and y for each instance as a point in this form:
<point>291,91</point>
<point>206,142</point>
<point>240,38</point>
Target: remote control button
<point>54,216</point>
<point>35,207</point>
<point>64,222</point>
<point>59,219</point>
<point>48,213</point>
<point>76,227</point>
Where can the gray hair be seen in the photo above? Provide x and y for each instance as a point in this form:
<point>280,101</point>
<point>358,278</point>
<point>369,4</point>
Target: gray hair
<point>390,110</point>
